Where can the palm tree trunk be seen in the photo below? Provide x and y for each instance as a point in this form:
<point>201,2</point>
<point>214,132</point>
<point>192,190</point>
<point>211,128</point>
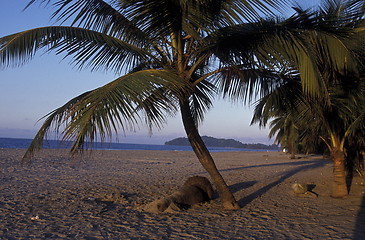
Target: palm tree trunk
<point>202,153</point>
<point>339,187</point>
<point>292,154</point>
<point>362,164</point>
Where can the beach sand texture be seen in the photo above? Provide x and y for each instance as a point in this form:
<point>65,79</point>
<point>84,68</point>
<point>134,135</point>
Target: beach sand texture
<point>101,196</point>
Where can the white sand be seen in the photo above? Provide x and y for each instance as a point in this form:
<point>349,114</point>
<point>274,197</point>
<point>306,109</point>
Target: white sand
<point>101,197</point>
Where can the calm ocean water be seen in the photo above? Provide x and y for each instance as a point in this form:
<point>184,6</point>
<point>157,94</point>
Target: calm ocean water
<point>19,143</point>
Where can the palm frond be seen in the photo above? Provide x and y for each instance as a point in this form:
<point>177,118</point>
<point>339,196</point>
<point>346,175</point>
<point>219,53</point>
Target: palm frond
<point>285,99</point>
<point>201,100</point>
<point>53,120</point>
<point>100,16</point>
<point>339,9</point>
<point>120,104</point>
<point>88,48</point>
<point>296,42</point>
<point>162,17</point>
<point>239,83</point>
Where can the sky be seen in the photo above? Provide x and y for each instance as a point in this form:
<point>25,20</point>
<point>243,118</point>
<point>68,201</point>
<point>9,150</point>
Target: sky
<point>29,92</point>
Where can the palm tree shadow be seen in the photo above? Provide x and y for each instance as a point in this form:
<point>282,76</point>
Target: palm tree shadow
<point>359,232</point>
<point>246,200</point>
<point>294,163</point>
<point>240,186</point>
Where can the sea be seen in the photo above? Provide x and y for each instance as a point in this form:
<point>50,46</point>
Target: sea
<point>20,143</point>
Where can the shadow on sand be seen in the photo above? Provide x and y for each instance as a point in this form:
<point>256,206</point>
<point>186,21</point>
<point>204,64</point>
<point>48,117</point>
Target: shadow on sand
<point>359,232</point>
<point>302,165</point>
<point>295,163</point>
<point>240,186</point>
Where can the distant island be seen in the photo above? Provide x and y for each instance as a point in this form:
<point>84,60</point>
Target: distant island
<point>224,143</point>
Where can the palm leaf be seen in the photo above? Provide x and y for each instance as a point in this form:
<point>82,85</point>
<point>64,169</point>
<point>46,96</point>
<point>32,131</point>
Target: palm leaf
<point>247,83</point>
<point>286,98</point>
<point>89,48</point>
<point>99,16</point>
<point>272,44</point>
<point>121,104</point>
<point>54,119</point>
<point>201,100</point>
<point>162,17</point>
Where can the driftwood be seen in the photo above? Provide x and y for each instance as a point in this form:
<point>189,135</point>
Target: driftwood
<point>195,190</point>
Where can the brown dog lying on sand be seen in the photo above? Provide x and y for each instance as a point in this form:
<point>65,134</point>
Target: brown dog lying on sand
<point>195,190</point>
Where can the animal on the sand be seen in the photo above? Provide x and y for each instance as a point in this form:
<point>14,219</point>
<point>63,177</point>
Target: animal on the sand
<point>195,190</point>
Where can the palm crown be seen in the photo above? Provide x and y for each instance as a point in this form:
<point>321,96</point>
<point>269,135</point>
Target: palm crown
<point>165,47</point>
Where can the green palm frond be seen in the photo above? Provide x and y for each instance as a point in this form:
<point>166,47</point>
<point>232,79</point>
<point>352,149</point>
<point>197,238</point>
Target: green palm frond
<point>88,48</point>
<point>121,104</point>
<point>55,120</point>
<point>350,8</point>
<point>99,16</point>
<point>356,127</point>
<point>201,100</point>
<point>305,51</point>
<point>297,42</point>
<point>162,17</point>
<point>286,99</point>
<point>276,129</point>
<point>242,83</point>
<point>270,45</point>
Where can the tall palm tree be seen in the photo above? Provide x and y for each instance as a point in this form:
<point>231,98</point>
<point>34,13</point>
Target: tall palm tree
<point>338,114</point>
<point>340,126</point>
<point>173,55</point>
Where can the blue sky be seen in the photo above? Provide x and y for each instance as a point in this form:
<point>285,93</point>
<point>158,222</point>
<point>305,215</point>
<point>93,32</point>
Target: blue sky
<point>29,92</point>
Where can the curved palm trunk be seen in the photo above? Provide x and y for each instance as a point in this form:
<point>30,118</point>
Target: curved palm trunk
<point>201,151</point>
<point>339,187</point>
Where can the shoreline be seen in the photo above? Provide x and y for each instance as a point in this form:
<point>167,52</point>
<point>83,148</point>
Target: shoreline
<point>23,143</point>
<point>102,196</point>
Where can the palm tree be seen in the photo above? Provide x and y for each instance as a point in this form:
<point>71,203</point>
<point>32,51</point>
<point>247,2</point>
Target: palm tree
<point>172,55</point>
<point>165,49</point>
<point>340,126</point>
<point>338,114</point>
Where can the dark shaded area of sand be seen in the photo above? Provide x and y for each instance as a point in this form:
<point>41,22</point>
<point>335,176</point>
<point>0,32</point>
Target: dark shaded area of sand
<point>101,196</point>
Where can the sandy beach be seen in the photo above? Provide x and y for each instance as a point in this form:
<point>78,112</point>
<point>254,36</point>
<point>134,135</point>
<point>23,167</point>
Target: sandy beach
<point>102,195</point>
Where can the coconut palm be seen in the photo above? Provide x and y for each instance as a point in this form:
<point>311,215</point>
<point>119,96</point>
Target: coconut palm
<point>337,116</point>
<point>340,126</point>
<point>173,56</point>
